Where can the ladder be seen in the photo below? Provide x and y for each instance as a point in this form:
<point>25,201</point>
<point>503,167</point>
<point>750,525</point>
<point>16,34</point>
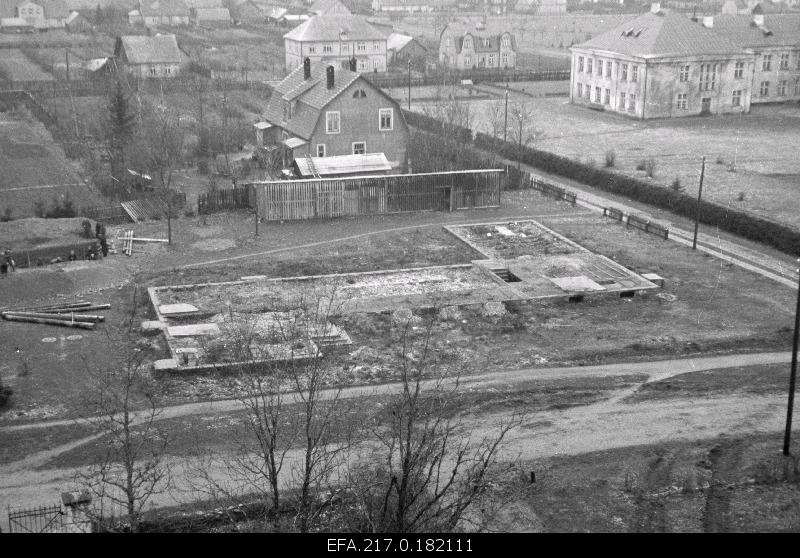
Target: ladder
<point>311,166</point>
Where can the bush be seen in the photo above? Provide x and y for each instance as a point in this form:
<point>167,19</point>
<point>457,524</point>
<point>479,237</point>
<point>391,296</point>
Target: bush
<point>641,165</point>
<point>740,197</point>
<point>676,185</point>
<point>650,167</point>
<point>611,158</point>
<point>39,208</point>
<point>5,395</point>
<point>61,208</point>
<point>6,216</point>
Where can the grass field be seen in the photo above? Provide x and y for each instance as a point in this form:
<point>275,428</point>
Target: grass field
<point>15,66</point>
<point>751,164</point>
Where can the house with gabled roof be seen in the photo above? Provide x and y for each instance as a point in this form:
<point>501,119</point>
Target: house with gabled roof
<point>336,39</point>
<point>322,110</point>
<point>37,14</point>
<point>465,46</point>
<point>328,7</point>
<point>664,64</point>
<point>164,12</point>
<point>150,57</point>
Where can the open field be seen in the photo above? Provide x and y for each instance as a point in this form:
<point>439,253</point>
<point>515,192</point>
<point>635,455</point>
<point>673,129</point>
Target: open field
<point>15,66</point>
<point>35,168</point>
<point>751,163</point>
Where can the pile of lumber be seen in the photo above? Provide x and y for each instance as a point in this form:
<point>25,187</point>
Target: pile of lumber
<point>65,315</point>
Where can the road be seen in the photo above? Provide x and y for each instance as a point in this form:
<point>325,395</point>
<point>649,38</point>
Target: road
<point>613,422</point>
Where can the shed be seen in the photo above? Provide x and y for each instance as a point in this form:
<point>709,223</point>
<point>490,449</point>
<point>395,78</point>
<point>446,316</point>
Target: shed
<point>343,165</point>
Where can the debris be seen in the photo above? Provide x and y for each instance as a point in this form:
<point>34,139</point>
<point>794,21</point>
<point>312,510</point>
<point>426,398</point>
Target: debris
<point>48,321</point>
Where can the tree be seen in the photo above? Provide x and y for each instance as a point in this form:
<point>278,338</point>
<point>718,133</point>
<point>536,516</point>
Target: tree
<point>426,475</point>
<point>120,401</point>
<point>120,129</point>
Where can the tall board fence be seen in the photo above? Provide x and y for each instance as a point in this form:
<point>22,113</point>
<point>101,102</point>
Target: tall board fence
<point>376,195</point>
<point>223,200</point>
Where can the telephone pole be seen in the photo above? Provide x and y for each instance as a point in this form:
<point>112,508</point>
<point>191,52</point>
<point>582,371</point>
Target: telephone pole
<point>697,210</point>
<point>505,118</point>
<point>409,84</point>
<point>787,437</point>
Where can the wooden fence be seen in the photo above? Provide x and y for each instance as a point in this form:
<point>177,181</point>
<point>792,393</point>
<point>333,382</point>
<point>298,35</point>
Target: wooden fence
<point>222,200</point>
<point>375,195</point>
<point>555,191</point>
<point>614,213</point>
<point>455,77</point>
<point>647,226</point>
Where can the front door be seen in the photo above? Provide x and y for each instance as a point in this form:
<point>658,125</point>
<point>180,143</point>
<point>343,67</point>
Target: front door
<point>705,107</point>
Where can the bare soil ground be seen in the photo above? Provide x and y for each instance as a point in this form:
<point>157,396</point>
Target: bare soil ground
<point>36,232</point>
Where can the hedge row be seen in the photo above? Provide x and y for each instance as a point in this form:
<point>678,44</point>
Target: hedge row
<point>782,237</point>
<point>434,126</point>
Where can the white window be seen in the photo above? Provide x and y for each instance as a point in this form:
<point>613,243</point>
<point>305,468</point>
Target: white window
<point>684,73</point>
<point>738,70</point>
<point>766,63</point>
<point>632,103</point>
<point>682,101</point>
<point>589,62</point>
<point>608,68</point>
<point>580,90</point>
<point>634,73</point>
<point>312,49</point>
<point>376,46</point>
<point>385,119</point>
<point>359,147</point>
<point>468,42</point>
<point>621,101</point>
<point>505,41</point>
<point>764,89</point>
<point>361,46</point>
<point>785,61</point>
<point>505,60</point>
<point>468,60</point>
<point>597,94</point>
<point>782,88</point>
<point>320,150</point>
<point>580,63</point>
<point>624,72</point>
<point>491,60</point>
<point>599,67</point>
<point>327,48</point>
<point>607,97</point>
<point>332,122</point>
<point>362,65</point>
<point>737,98</point>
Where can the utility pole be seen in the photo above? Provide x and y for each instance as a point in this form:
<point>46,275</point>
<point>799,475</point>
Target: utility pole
<point>519,153</point>
<point>697,211</point>
<point>787,438</point>
<point>505,118</point>
<point>409,83</point>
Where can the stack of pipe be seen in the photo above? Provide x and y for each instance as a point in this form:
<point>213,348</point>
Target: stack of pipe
<point>63,315</point>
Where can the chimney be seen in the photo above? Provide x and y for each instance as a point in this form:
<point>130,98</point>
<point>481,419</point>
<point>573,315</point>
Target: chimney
<point>306,68</point>
<point>708,21</point>
<point>655,7</point>
<point>353,64</point>
<point>758,19</point>
<point>329,73</point>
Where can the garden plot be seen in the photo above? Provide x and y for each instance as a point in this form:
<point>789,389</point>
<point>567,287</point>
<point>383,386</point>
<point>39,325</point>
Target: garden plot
<point>541,263</point>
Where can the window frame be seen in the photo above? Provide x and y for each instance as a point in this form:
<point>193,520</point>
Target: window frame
<point>736,98</point>
<point>766,63</point>
<point>682,101</point>
<point>324,150</point>
<point>684,74</point>
<point>328,115</point>
<point>353,147</point>
<point>624,73</point>
<point>763,89</point>
<point>381,112</point>
<point>738,70</point>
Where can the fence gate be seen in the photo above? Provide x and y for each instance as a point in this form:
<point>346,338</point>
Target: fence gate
<point>42,519</point>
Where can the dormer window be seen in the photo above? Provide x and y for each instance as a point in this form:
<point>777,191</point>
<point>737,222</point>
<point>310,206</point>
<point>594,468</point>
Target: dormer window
<point>506,42</point>
<point>487,42</point>
<point>468,42</point>
<point>359,94</point>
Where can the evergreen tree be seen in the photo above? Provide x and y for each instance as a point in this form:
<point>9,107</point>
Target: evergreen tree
<point>121,125</point>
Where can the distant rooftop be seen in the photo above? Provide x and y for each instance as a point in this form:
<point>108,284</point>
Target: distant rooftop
<point>333,27</point>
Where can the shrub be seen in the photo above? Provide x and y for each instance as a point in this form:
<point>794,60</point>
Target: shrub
<point>650,167</point>
<point>5,395</point>
<point>6,216</point>
<point>611,158</point>
<point>740,197</point>
<point>720,160</point>
<point>676,185</point>
<point>641,165</point>
<point>39,208</point>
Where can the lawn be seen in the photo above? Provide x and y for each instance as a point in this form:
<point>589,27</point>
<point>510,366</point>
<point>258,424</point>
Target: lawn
<point>15,66</point>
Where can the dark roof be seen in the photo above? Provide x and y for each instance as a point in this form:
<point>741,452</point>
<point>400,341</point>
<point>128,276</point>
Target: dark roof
<point>149,8</point>
<point>328,6</point>
<point>329,26</point>
<point>149,50</point>
<point>664,33</point>
<point>311,96</point>
<point>778,30</point>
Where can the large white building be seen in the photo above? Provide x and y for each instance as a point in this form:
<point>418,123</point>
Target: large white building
<point>664,64</point>
<point>464,46</point>
<point>336,39</point>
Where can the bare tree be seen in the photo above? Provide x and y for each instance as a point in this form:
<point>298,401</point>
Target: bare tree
<point>429,473</point>
<point>121,402</point>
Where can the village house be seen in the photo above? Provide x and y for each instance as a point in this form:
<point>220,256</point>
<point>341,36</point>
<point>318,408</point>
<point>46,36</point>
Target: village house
<point>542,7</point>
<point>76,23</point>
<point>328,7</point>
<point>163,12</point>
<point>476,45</point>
<point>336,39</point>
<point>39,14</point>
<point>402,48</point>
<point>407,6</point>
<point>664,64</point>
<point>150,57</point>
<point>210,17</point>
<point>322,110</point>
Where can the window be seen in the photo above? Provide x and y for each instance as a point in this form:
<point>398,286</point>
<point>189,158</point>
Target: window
<point>359,147</point>
<point>580,90</point>
<point>332,122</point>
<point>487,43</point>
<point>376,64</point>
<point>764,89</point>
<point>785,61</point>
<point>505,60</point>
<point>376,46</point>
<point>361,46</point>
<point>737,98</point>
<point>580,63</point>
<point>359,94</point>
<point>738,71</point>
<point>153,70</point>
<point>327,48</point>
<point>589,62</point>
<point>386,119</point>
<point>634,73</point>
<point>362,65</point>
<point>588,91</point>
<point>682,102</point>
<point>708,76</point>
<point>320,150</point>
<point>312,49</point>
<point>781,88</point>
<point>632,103</point>
<point>608,69</point>
<point>491,60</point>
<point>596,94</point>
<point>607,97</point>
<point>766,63</point>
<point>684,73</point>
<point>621,101</point>
<point>599,67</point>
<point>624,72</point>
<point>505,41</point>
<point>468,60</point>
<point>468,42</point>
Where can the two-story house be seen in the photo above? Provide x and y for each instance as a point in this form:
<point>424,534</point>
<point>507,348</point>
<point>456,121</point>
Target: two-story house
<point>164,12</point>
<point>336,39</point>
<point>37,14</point>
<point>666,64</point>
<point>150,57</point>
<point>323,110</point>
<point>478,45</point>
